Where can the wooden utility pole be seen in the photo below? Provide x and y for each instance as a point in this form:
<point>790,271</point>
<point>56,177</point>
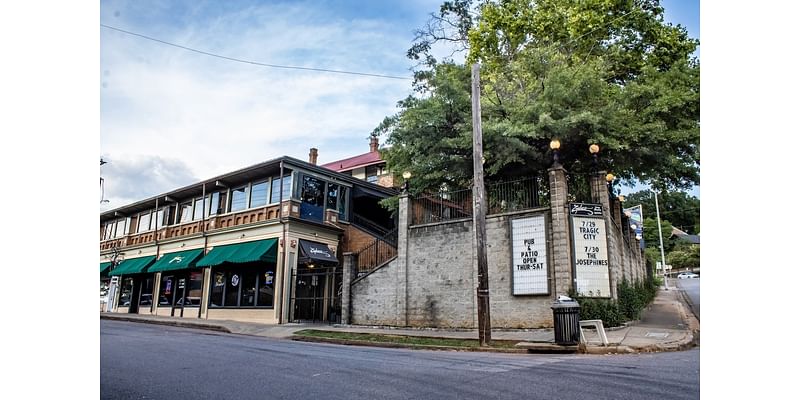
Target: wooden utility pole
<point>484,320</point>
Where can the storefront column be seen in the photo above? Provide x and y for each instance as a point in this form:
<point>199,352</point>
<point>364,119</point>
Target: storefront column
<point>348,268</point>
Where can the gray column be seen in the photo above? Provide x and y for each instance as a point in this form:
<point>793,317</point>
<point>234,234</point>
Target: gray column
<point>348,271</point>
<point>599,189</point>
<point>401,294</point>
<point>559,232</point>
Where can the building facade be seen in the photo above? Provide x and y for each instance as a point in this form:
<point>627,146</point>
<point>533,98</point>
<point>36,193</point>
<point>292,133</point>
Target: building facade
<point>263,244</point>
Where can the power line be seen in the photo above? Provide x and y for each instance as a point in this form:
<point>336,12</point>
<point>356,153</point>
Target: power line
<point>255,62</point>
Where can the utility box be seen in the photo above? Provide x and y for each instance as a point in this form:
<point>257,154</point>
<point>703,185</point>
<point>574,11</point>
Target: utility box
<point>566,322</point>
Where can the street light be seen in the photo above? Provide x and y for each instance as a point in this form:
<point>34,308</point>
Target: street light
<point>406,177</point>
<point>610,180</point>
<point>661,241</point>
<point>594,149</point>
<point>555,144</point>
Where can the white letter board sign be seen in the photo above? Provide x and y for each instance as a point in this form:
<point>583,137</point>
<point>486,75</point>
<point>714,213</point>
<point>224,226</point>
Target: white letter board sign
<point>529,256</point>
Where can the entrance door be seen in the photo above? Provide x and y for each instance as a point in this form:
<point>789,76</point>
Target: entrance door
<point>317,295</point>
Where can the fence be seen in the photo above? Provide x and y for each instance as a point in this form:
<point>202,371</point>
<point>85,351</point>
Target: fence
<point>376,254</point>
<point>501,197</point>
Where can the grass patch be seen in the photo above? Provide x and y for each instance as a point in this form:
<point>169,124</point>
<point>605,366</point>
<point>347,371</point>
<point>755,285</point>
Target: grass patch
<point>404,340</point>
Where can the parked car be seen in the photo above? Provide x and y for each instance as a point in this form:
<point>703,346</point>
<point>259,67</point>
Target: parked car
<point>688,275</point>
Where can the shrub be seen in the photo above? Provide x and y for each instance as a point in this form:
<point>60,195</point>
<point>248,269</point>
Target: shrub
<point>632,299</point>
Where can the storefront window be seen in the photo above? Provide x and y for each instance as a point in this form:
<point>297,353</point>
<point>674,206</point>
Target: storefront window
<point>146,298</point>
<point>166,295</point>
<point>194,288</point>
<point>125,293</point>
<point>250,285</point>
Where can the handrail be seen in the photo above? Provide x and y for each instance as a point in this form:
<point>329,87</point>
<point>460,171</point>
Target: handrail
<point>382,249</point>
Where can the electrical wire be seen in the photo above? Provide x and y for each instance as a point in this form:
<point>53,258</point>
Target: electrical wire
<point>254,62</point>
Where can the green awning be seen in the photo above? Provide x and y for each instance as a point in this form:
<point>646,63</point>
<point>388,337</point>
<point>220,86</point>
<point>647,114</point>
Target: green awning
<point>177,260</point>
<point>133,266</point>
<point>261,250</point>
<point>104,267</point>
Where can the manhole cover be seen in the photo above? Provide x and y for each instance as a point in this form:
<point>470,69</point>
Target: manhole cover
<point>657,334</point>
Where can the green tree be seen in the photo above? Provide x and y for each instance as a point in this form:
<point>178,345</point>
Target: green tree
<point>598,71</point>
<point>684,256</point>
<point>680,208</point>
<point>650,235</point>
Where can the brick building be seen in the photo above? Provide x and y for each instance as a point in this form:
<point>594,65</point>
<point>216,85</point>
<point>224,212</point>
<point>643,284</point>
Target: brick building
<point>263,243</point>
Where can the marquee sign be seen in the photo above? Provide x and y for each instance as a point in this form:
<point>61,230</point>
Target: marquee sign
<point>590,251</point>
<point>529,256</point>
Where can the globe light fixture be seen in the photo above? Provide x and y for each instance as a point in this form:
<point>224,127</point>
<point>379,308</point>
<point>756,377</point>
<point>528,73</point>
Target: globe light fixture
<point>594,149</point>
<point>406,177</point>
<point>555,144</point>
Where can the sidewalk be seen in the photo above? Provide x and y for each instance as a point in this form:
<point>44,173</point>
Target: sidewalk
<point>666,325</point>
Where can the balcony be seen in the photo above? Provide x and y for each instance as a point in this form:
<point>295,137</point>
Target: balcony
<point>211,224</point>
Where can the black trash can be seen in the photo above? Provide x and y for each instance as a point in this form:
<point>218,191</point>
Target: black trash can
<point>566,317</point>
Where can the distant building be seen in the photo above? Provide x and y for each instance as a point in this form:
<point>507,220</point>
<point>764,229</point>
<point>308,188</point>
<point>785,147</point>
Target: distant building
<point>683,236</point>
<point>368,166</point>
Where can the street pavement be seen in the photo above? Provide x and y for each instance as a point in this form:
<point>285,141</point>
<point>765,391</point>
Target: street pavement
<point>666,325</point>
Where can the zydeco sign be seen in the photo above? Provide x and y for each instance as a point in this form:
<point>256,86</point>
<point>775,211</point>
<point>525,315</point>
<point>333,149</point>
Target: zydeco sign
<point>529,256</point>
<point>590,250</point>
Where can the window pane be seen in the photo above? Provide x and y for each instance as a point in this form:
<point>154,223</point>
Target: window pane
<point>109,230</point>
<point>287,187</point>
<point>198,207</point>
<point>212,204</point>
<point>372,174</point>
<point>239,199</point>
<point>232,289</point>
<point>266,288</point>
<point>144,222</point>
<point>125,293</point>
<point>167,291</point>
<point>258,196</point>
<point>194,290</point>
<point>146,298</point>
<point>312,197</point>
<point>343,203</point>
<point>217,288</point>
<point>248,289</point>
<point>332,196</point>
<point>185,213</point>
<point>160,219</point>
<point>120,226</point>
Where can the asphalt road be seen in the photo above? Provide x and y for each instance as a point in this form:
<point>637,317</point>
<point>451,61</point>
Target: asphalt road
<point>144,361</point>
<point>692,289</point>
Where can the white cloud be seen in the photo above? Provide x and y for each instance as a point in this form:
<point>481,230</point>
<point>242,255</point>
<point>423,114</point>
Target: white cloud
<point>162,102</point>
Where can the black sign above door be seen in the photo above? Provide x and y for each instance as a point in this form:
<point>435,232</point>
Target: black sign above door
<point>313,252</point>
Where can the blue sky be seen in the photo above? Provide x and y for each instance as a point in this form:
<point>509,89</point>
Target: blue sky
<point>170,117</point>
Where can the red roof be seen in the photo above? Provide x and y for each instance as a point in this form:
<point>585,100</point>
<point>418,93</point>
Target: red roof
<point>363,160</point>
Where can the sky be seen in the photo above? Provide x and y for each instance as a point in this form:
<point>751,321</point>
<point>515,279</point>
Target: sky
<point>170,117</point>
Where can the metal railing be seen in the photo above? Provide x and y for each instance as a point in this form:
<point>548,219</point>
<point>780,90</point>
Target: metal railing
<point>368,225</point>
<point>501,197</point>
<point>377,253</point>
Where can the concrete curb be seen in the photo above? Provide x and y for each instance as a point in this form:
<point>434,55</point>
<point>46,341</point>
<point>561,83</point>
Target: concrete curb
<point>182,324</point>
<point>349,342</point>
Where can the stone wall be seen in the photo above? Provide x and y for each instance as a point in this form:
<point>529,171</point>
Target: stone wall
<point>433,280</point>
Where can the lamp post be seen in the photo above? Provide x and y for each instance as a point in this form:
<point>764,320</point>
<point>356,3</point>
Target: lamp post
<point>594,149</point>
<point>406,177</point>
<point>661,241</point>
<point>610,181</point>
<point>555,144</point>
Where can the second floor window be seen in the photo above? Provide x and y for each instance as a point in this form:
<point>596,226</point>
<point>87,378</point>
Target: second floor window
<point>144,222</point>
<point>198,209</point>
<point>239,198</point>
<point>185,213</point>
<point>258,194</point>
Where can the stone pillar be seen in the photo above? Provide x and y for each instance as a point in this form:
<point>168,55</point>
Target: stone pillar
<point>401,294</point>
<point>348,271</point>
<point>559,232</point>
<point>599,190</point>
<point>616,217</point>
